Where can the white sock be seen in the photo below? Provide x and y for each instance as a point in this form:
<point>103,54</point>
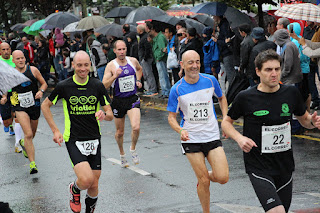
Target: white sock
<point>1,122</point>
<point>18,133</point>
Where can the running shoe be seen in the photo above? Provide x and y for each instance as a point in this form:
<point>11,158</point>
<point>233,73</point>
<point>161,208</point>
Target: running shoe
<point>11,131</point>
<point>18,149</point>
<point>6,129</point>
<point>21,142</point>
<point>124,162</point>
<point>75,204</point>
<point>33,168</point>
<point>135,157</point>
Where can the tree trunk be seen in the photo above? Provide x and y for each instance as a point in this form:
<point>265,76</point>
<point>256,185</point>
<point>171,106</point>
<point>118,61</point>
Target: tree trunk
<point>4,17</point>
<point>116,4</point>
<point>84,8</point>
<point>260,15</point>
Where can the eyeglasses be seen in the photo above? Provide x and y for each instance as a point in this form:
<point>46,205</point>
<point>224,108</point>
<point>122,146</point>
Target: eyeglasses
<point>179,34</point>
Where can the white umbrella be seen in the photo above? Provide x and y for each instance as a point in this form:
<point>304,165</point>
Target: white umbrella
<point>303,11</point>
<point>10,77</point>
<point>72,28</point>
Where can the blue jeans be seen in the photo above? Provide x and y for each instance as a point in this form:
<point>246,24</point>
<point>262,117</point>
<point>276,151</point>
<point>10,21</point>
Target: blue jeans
<point>62,73</point>
<point>100,72</point>
<point>163,77</point>
<point>312,83</point>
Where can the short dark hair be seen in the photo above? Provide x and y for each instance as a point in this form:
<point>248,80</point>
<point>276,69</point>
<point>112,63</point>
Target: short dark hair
<point>192,32</point>
<point>149,25</point>
<point>126,27</point>
<point>267,55</point>
<point>245,28</point>
<point>77,35</point>
<point>182,23</point>
<point>171,30</point>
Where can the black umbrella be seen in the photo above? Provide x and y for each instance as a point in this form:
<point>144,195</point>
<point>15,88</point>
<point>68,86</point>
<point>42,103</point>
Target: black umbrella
<point>143,13</point>
<point>119,12</point>
<point>17,27</point>
<point>195,24</point>
<point>61,19</point>
<point>204,19</point>
<point>212,8</point>
<point>171,20</point>
<point>111,29</point>
<point>236,17</point>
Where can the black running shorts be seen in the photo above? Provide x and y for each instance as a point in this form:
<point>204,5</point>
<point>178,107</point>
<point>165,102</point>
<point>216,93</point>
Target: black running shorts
<point>272,191</point>
<point>33,112</point>
<point>5,111</point>
<point>120,106</point>
<point>76,156</point>
<point>200,147</point>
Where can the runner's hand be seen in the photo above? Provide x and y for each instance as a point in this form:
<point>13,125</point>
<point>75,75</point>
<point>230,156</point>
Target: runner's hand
<point>315,120</point>
<point>39,95</point>
<point>139,84</point>
<point>184,135</point>
<point>100,115</point>
<point>57,137</point>
<point>3,100</point>
<point>246,144</point>
<point>116,72</point>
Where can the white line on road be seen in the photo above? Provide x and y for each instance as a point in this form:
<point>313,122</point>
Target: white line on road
<point>133,168</point>
<point>313,194</point>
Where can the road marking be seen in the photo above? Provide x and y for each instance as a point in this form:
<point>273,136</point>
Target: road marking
<point>307,137</point>
<point>133,168</point>
<point>240,209</point>
<point>313,194</point>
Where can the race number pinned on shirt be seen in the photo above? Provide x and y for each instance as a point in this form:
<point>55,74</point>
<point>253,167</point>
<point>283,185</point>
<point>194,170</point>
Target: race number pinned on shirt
<point>276,138</point>
<point>26,100</point>
<point>127,84</point>
<point>199,112</point>
<point>88,147</point>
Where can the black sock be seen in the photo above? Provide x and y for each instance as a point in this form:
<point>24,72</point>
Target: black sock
<point>75,188</point>
<point>90,203</point>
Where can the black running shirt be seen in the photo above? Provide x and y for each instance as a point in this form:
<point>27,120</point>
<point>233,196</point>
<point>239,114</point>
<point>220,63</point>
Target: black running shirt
<point>80,103</point>
<point>267,109</point>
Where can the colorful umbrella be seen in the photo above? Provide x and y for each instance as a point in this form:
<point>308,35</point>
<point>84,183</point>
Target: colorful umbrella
<point>29,32</point>
<point>36,25</point>
<point>303,11</point>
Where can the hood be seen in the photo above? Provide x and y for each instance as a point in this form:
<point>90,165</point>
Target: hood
<point>57,31</point>
<point>132,36</point>
<point>296,28</point>
<point>281,37</point>
<point>96,43</point>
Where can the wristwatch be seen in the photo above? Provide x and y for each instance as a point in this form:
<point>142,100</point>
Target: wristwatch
<point>42,90</point>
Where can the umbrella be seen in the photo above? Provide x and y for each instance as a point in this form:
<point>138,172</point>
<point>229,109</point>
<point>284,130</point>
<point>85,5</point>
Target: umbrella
<point>60,19</point>
<point>236,17</point>
<point>303,11</point>
<point>92,22</point>
<point>204,19</point>
<point>72,28</point>
<point>36,25</point>
<point>195,24</point>
<point>111,29</point>
<point>119,12</point>
<point>17,27</point>
<point>30,22</point>
<point>10,77</point>
<point>167,19</point>
<point>211,8</point>
<point>29,32</point>
<point>45,33</point>
<point>143,13</point>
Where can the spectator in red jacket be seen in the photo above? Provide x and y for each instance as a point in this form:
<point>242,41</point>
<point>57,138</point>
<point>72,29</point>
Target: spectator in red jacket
<point>28,50</point>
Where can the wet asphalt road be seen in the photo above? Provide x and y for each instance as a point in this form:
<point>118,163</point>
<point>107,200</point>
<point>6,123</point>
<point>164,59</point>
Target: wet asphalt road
<point>164,183</point>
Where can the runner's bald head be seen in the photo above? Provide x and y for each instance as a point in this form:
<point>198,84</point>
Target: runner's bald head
<point>189,54</point>
<point>81,55</point>
<point>17,53</point>
<point>4,45</point>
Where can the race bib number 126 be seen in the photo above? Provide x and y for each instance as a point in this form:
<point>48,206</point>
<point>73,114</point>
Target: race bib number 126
<point>88,147</point>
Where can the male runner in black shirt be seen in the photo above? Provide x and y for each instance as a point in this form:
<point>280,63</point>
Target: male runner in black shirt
<point>267,110</point>
<point>81,97</point>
